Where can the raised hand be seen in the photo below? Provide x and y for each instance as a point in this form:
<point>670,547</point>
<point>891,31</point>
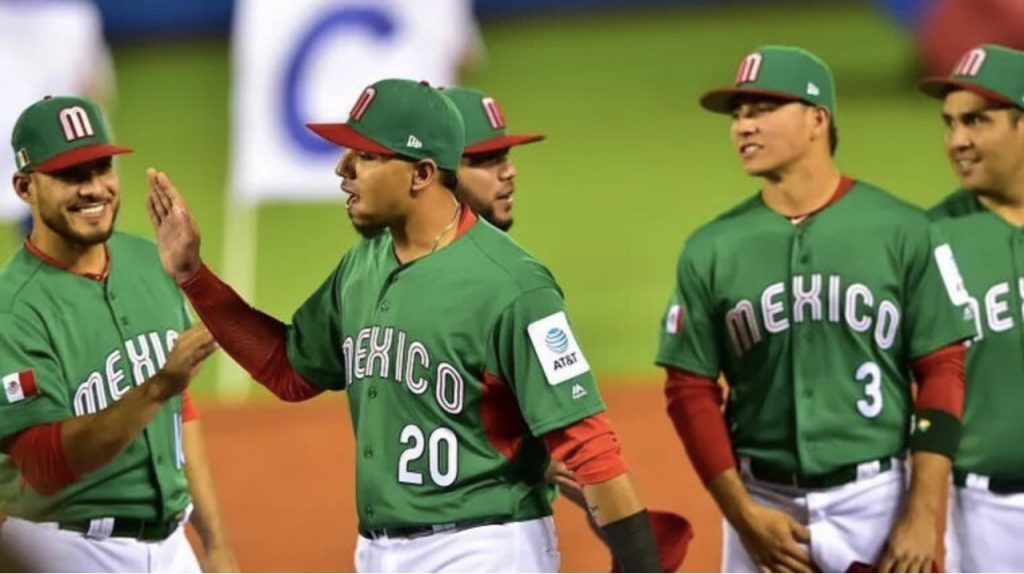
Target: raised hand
<point>177,234</point>
<point>190,351</point>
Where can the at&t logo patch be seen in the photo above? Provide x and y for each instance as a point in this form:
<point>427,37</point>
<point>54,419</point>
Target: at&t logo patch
<point>556,348</point>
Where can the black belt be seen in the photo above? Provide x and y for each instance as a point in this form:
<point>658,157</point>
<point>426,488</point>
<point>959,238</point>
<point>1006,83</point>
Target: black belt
<point>995,484</point>
<point>768,472</point>
<point>424,529</point>
<point>148,530</point>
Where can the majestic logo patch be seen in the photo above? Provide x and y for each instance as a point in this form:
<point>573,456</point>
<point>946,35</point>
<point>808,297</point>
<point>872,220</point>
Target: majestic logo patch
<point>75,123</point>
<point>556,348</point>
<point>19,386</point>
<point>413,142</point>
<point>578,392</point>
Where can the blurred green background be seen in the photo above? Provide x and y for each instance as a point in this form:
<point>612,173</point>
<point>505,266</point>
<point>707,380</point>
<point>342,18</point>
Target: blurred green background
<point>631,167</point>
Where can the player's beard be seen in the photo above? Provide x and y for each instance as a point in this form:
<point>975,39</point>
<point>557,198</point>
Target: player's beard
<point>59,223</point>
<point>366,229</point>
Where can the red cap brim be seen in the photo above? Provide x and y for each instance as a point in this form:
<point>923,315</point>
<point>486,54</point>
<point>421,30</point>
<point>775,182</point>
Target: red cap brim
<point>722,101</point>
<point>345,136</point>
<point>501,142</point>
<point>939,86</point>
<point>79,155</point>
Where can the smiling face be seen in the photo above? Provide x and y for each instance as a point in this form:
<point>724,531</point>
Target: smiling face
<point>79,204</point>
<point>984,142</point>
<point>771,134</point>
<point>487,183</point>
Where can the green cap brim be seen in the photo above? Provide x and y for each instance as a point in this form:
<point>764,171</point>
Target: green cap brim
<point>721,101</point>
<point>939,86</point>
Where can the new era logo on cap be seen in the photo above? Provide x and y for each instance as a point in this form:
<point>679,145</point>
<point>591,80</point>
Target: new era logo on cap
<point>19,386</point>
<point>413,142</point>
<point>813,90</point>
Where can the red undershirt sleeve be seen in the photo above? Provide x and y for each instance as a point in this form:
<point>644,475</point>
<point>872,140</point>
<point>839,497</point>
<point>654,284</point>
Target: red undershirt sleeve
<point>38,454</point>
<point>255,340</point>
<point>695,408</point>
<point>189,412</point>
<point>589,448</point>
<point>940,401</point>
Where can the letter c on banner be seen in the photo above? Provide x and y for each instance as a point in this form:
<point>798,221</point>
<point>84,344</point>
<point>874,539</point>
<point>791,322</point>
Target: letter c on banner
<point>364,19</point>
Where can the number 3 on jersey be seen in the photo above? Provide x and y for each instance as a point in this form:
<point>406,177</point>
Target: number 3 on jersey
<point>871,405</point>
<point>442,445</point>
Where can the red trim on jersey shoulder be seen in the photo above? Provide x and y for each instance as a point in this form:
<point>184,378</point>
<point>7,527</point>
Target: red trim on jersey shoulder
<point>694,404</point>
<point>38,454</point>
<point>940,380</point>
<point>102,276</point>
<point>589,448</point>
<point>189,412</point>
<point>466,221</point>
<point>502,420</point>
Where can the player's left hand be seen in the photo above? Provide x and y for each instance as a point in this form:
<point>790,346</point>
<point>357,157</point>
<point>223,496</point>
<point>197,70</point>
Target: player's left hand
<point>220,559</point>
<point>911,545</point>
<point>177,235</point>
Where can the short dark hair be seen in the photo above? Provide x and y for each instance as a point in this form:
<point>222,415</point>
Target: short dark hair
<point>449,179</point>
<point>833,136</point>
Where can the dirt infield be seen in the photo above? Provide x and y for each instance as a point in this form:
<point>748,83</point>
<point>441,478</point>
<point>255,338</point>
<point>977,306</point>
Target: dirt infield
<point>284,477</point>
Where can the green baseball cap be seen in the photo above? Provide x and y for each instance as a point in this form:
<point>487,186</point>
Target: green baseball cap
<point>992,71</point>
<point>485,123</point>
<point>58,132</point>
<point>401,117</point>
<point>784,72</point>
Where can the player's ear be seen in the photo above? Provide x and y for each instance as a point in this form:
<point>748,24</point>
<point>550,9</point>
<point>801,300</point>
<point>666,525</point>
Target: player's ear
<point>22,183</point>
<point>424,173</point>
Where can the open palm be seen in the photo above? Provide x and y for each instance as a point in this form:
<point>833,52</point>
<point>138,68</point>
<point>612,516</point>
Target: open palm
<point>177,234</point>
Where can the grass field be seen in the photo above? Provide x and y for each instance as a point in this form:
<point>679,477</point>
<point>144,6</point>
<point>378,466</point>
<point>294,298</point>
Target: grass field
<point>632,164</point>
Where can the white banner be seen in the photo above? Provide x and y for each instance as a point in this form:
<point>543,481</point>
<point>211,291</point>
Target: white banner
<point>302,61</point>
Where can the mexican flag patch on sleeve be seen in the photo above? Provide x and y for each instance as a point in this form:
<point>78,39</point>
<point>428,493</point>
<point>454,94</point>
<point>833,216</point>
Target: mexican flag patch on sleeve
<point>19,386</point>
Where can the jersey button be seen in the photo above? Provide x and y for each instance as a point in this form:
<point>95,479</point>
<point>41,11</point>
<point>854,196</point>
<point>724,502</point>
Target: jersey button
<point>369,512</point>
<point>372,393</point>
<point>368,452</point>
<point>385,306</point>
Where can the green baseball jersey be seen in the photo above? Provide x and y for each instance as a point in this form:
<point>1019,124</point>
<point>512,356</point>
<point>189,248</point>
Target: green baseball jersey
<point>814,324</point>
<point>455,363</point>
<point>991,256</point>
<point>71,346</point>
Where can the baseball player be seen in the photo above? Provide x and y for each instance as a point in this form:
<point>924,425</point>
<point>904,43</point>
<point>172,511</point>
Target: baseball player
<point>983,105</point>
<point>816,298</point>
<point>453,343</point>
<point>95,353</point>
<point>486,184</point>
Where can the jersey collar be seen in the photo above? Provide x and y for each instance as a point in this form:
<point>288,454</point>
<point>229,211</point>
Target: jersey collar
<point>845,185</point>
<point>466,221</point>
<point>38,253</point>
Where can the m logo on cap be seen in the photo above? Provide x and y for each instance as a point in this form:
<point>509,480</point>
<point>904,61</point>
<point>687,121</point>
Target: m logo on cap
<point>749,68</point>
<point>363,103</point>
<point>971,63</point>
<point>494,115</point>
<point>75,123</point>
